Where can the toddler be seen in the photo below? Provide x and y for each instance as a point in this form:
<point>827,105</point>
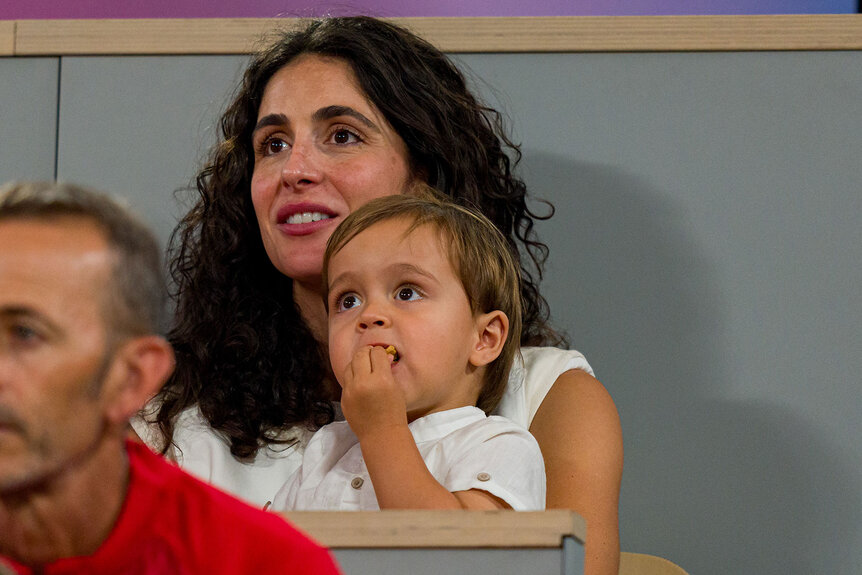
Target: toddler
<point>424,311</point>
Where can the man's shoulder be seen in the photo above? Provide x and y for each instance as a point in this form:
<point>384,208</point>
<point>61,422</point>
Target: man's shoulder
<point>200,517</point>
<point>217,532</point>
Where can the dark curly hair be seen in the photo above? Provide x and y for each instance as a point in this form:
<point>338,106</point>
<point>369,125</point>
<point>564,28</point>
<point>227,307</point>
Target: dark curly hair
<point>244,354</point>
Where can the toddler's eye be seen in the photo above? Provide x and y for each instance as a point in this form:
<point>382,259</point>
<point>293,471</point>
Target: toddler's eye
<point>348,301</point>
<point>408,294</point>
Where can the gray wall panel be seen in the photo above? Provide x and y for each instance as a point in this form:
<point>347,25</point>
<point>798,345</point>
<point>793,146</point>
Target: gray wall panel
<point>706,257</point>
<point>455,561</point>
<point>28,118</point>
<point>138,126</point>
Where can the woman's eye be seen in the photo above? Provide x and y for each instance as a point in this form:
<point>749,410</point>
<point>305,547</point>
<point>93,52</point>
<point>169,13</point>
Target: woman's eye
<point>344,136</point>
<point>348,301</point>
<point>408,294</point>
<point>273,146</point>
<point>270,145</point>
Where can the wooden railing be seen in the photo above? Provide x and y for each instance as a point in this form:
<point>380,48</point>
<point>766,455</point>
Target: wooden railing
<point>532,34</point>
<point>450,529</point>
<point>491,542</point>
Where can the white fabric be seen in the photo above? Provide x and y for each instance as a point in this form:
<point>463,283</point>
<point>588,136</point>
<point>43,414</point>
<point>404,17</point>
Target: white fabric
<point>531,378</point>
<point>204,453</point>
<point>463,449</point>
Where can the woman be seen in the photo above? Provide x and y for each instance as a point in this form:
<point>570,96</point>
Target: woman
<point>331,116</point>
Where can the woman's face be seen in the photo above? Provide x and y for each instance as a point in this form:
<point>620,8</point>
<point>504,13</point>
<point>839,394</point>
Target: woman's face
<point>321,150</point>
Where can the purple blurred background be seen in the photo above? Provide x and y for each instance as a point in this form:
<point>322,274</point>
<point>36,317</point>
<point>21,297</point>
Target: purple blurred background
<point>38,9</point>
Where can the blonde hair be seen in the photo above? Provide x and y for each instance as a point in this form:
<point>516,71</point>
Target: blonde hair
<point>478,253</point>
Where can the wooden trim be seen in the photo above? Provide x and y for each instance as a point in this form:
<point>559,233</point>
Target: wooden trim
<point>540,34</point>
<point>7,37</point>
<point>644,33</point>
<point>129,37</point>
<point>414,529</point>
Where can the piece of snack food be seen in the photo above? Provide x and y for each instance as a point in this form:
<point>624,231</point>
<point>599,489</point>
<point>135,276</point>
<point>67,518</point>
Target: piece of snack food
<point>393,352</point>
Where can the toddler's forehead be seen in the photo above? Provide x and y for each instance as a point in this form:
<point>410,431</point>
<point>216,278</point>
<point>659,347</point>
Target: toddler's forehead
<point>409,231</point>
<point>401,229</point>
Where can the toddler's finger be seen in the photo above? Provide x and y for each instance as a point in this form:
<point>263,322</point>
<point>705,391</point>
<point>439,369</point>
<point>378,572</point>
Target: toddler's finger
<point>361,363</point>
<point>380,360</point>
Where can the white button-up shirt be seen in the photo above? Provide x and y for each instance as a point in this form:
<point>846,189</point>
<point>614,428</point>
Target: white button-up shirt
<point>463,449</point>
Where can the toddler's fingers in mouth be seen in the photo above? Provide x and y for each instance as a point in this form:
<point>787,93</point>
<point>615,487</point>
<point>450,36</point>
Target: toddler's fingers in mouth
<point>393,352</point>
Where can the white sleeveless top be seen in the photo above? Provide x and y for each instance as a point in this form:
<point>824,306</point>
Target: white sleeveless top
<point>205,453</point>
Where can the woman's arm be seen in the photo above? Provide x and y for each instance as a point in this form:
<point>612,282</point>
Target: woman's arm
<point>578,430</point>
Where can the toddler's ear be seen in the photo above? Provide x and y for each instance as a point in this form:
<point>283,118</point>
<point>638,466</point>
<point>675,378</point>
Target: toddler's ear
<point>491,329</point>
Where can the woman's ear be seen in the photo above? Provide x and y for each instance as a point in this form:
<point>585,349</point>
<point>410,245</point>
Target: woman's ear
<point>139,369</point>
<point>491,329</point>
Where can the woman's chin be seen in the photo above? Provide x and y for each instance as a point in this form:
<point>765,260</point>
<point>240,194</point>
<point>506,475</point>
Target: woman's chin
<point>304,266</point>
<point>309,279</point>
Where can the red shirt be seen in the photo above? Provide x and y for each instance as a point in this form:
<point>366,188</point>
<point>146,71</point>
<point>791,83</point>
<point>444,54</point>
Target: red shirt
<point>172,523</point>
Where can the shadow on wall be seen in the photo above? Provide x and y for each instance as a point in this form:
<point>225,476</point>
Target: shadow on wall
<point>716,485</point>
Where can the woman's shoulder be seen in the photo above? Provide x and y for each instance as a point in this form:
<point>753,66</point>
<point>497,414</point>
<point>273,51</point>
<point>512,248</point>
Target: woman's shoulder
<point>532,376</point>
<point>538,362</point>
<point>189,427</point>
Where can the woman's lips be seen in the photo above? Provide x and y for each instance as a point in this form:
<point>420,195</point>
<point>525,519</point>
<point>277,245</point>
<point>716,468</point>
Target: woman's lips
<point>303,229</point>
<point>303,219</point>
<point>306,217</point>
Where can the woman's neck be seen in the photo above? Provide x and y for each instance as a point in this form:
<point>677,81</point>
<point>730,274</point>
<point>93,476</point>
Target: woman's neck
<point>310,303</point>
<point>311,308</point>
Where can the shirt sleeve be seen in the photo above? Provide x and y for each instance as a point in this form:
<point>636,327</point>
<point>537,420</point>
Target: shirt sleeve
<point>502,459</point>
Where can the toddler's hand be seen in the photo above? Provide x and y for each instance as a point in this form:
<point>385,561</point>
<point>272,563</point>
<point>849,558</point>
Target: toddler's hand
<point>371,400</point>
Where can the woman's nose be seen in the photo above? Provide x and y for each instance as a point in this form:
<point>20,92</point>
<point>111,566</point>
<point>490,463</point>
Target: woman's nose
<point>301,168</point>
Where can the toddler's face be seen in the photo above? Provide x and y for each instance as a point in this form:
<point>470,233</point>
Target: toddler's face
<point>388,289</point>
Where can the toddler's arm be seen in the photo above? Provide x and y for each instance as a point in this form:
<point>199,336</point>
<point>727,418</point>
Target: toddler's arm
<point>374,406</point>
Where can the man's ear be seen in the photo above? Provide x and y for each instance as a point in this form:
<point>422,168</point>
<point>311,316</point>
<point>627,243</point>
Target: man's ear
<point>491,329</point>
<point>139,369</point>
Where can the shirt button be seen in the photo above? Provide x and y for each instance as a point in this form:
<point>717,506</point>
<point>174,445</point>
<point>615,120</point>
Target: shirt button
<point>357,482</point>
<point>483,476</point>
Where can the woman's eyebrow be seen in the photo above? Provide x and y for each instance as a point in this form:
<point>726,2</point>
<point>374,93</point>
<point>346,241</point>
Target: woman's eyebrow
<point>270,120</point>
<point>330,112</point>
